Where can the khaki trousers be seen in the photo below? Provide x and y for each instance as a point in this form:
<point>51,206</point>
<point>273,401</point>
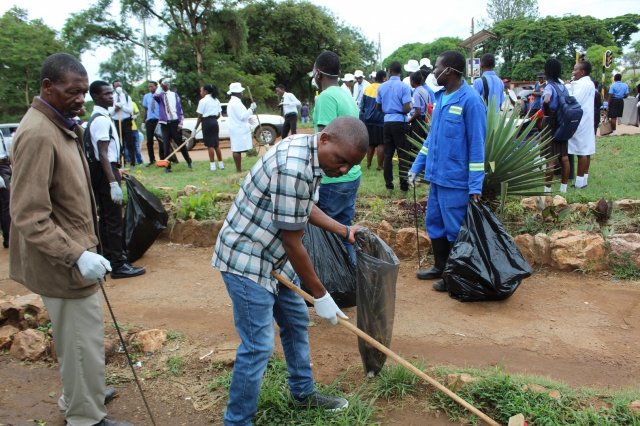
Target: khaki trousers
<point>78,333</point>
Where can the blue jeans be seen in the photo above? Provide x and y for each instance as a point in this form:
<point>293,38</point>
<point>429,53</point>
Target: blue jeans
<point>137,141</point>
<point>338,201</point>
<point>254,309</point>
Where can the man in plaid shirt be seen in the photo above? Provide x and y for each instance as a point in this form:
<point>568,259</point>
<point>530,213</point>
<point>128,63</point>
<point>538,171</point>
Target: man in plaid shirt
<point>263,233</point>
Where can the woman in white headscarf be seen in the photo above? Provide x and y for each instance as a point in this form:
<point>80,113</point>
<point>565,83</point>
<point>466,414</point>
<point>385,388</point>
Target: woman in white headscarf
<point>238,121</point>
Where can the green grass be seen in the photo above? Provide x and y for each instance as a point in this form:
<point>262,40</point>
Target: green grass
<point>175,365</point>
<point>495,392</point>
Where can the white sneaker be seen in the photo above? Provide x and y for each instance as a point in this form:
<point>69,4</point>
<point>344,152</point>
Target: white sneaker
<point>220,165</point>
<point>212,167</point>
<point>614,133</point>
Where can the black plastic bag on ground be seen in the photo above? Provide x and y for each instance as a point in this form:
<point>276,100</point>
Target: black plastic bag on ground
<point>332,265</point>
<point>484,263</point>
<point>144,218</point>
<point>377,273</point>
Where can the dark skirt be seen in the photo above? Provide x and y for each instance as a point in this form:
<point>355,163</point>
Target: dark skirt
<point>210,131</point>
<point>615,108</point>
<point>375,135</point>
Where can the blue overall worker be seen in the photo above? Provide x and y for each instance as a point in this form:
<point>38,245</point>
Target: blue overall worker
<point>452,159</point>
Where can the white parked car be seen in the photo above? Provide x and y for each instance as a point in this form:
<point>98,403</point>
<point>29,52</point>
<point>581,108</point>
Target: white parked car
<point>8,130</point>
<point>271,127</point>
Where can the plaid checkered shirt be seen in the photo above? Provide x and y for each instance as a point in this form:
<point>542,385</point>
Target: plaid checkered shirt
<point>277,194</point>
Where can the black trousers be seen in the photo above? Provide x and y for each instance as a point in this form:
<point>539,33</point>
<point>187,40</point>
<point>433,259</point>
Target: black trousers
<point>170,132</point>
<point>290,124</point>
<point>151,130</point>
<point>110,223</point>
<point>5,193</point>
<point>395,139</point>
<point>126,138</point>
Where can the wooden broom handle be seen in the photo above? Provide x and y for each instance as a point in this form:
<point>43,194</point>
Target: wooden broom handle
<point>379,346</point>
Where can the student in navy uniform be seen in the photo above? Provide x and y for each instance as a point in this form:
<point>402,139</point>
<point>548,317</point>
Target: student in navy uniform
<point>394,100</point>
<point>452,159</point>
<point>617,92</point>
<point>494,84</point>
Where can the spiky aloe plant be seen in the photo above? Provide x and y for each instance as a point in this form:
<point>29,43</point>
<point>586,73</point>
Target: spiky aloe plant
<point>514,160</point>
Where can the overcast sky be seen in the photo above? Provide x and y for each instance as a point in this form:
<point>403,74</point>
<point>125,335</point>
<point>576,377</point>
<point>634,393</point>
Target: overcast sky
<point>395,23</point>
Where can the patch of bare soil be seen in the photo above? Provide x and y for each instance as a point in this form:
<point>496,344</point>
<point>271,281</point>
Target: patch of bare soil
<point>580,329</point>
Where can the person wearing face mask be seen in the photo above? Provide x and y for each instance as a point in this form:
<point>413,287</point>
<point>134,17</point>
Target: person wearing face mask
<point>452,159</point>
<point>121,112</point>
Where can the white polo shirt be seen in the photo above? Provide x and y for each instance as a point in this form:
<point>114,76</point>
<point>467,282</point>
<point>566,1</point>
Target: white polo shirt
<point>100,127</point>
<point>209,107</point>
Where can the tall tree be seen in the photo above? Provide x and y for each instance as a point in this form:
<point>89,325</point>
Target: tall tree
<point>124,65</point>
<point>499,10</point>
<point>25,45</point>
<point>424,50</point>
<point>623,27</point>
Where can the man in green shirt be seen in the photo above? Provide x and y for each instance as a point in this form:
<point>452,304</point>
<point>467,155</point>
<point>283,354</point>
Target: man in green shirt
<point>337,195</point>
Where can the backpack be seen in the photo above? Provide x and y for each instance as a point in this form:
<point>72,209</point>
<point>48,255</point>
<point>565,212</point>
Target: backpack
<point>89,151</point>
<point>568,114</point>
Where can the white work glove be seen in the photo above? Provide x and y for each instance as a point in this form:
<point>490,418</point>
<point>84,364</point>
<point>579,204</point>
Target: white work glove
<point>2,183</point>
<point>327,309</point>
<point>253,106</point>
<point>93,266</point>
<point>411,178</point>
<point>116,192</point>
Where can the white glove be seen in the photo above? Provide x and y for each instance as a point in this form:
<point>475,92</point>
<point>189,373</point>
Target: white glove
<point>93,266</point>
<point>2,183</point>
<point>327,309</point>
<point>411,178</point>
<point>116,192</point>
<point>253,106</point>
<point>118,105</point>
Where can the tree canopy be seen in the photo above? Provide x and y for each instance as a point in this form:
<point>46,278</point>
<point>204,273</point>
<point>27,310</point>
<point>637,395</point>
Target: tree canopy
<point>25,45</point>
<point>424,50</point>
<point>501,10</point>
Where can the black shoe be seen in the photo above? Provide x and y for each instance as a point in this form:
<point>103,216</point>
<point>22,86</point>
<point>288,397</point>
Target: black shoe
<point>168,170</point>
<point>440,285</point>
<point>150,163</point>
<point>126,271</point>
<point>429,274</point>
<point>107,422</point>
<point>330,403</point>
<point>109,395</point>
<point>190,165</point>
<point>5,244</point>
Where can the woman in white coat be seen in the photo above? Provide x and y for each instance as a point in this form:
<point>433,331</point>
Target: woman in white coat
<point>583,142</point>
<point>238,121</point>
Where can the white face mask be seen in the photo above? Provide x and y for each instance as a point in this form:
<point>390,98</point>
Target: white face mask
<point>119,90</point>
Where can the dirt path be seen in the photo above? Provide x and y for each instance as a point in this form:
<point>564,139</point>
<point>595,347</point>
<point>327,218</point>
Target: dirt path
<point>580,329</point>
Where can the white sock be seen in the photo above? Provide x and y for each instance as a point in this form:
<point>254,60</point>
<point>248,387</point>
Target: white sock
<point>579,183</point>
<point>563,187</point>
<point>212,166</point>
<point>547,189</point>
<point>221,165</point>
<point>585,179</point>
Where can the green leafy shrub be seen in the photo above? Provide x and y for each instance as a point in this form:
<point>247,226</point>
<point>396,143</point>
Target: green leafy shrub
<point>201,206</point>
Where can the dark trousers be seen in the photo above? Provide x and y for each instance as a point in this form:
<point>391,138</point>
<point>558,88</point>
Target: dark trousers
<point>290,123</point>
<point>110,223</point>
<point>395,138</point>
<point>151,130</point>
<point>170,132</point>
<point>126,139</point>
<point>5,193</point>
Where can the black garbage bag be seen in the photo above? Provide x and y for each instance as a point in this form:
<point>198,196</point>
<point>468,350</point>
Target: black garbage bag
<point>376,272</point>
<point>332,264</point>
<point>144,218</point>
<point>484,263</point>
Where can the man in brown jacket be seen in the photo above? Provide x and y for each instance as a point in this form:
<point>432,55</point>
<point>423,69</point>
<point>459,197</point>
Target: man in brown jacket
<point>53,240</point>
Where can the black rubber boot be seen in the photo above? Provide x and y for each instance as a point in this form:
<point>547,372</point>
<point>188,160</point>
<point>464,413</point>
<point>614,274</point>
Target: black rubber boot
<point>440,248</point>
<point>440,285</point>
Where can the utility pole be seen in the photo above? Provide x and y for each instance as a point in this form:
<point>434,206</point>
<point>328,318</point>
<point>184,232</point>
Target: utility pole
<point>146,48</point>
<point>379,52</point>
<point>471,50</point>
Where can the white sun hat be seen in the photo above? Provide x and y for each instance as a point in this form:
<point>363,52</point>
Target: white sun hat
<point>358,74</point>
<point>411,66</point>
<point>348,77</point>
<point>235,88</point>
<point>426,62</point>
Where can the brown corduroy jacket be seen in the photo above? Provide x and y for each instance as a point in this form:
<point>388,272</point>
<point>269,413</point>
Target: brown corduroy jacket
<point>53,213</point>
